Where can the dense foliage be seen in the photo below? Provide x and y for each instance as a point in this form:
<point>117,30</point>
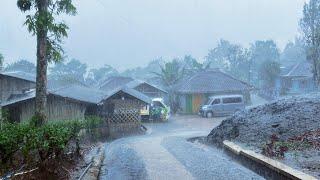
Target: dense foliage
<point>21,65</point>
<point>310,26</point>
<point>35,144</point>
<point>268,73</point>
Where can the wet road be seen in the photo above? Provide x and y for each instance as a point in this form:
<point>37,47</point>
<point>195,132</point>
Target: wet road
<point>164,153</point>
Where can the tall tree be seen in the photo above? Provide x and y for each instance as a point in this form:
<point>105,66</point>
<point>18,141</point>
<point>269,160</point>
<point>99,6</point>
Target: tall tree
<point>268,72</point>
<point>191,63</point>
<point>42,22</point>
<point>21,65</point>
<point>310,25</point>
<point>97,75</point>
<point>1,61</point>
<point>231,58</point>
<point>171,73</point>
<point>72,71</point>
<point>220,56</point>
<point>293,53</point>
<point>260,52</point>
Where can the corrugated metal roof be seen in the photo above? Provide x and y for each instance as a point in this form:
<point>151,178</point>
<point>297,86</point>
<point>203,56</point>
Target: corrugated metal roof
<point>211,81</point>
<point>302,69</point>
<point>81,93</point>
<point>19,98</point>
<point>136,83</point>
<point>114,82</point>
<point>137,95</point>
<point>21,75</point>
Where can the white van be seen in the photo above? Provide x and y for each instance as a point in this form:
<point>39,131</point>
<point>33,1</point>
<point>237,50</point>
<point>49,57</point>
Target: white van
<point>222,105</point>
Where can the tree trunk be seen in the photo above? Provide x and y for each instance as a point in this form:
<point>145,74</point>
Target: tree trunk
<point>41,81</point>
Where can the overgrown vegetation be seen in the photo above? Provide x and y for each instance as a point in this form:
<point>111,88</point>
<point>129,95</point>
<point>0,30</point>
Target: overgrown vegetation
<point>30,145</point>
<point>93,125</point>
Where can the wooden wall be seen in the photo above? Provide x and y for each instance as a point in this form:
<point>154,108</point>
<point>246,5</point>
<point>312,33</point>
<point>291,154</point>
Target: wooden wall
<point>10,85</point>
<point>122,115</point>
<point>58,108</point>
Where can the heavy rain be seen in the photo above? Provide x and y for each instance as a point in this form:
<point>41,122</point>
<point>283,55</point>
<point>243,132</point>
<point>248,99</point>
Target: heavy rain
<point>170,90</point>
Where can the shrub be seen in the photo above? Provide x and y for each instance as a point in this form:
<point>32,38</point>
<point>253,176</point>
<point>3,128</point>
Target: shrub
<point>92,125</point>
<point>47,141</point>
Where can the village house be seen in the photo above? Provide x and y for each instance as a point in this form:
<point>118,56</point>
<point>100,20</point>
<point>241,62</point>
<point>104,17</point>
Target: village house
<point>144,87</point>
<point>298,80</point>
<point>15,83</point>
<point>119,108</point>
<point>196,90</point>
<point>66,103</point>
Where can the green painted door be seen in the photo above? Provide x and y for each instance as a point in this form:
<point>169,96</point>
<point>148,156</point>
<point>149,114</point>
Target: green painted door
<point>189,104</point>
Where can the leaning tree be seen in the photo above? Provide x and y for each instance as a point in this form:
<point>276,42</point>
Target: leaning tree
<point>41,22</point>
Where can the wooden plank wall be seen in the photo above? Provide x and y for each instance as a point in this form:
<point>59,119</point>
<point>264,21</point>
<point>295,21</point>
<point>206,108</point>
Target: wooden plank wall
<point>58,108</point>
<point>10,85</point>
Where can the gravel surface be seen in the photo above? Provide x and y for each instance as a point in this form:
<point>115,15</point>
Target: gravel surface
<point>285,118</point>
<point>165,153</point>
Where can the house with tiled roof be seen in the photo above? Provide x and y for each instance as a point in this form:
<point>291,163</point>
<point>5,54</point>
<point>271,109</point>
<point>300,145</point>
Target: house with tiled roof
<point>196,90</point>
<point>299,79</point>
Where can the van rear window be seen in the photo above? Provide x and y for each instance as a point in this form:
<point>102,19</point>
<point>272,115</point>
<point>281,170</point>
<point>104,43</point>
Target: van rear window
<point>232,100</point>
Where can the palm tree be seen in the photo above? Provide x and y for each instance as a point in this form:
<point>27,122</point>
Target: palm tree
<point>170,73</point>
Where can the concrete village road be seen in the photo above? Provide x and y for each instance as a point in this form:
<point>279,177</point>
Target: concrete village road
<point>164,153</point>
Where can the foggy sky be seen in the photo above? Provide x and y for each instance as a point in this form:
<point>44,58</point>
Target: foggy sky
<point>130,33</point>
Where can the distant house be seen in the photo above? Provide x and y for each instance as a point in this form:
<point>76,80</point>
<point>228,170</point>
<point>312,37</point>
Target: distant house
<point>193,92</point>
<point>298,80</point>
<point>15,83</point>
<point>144,87</point>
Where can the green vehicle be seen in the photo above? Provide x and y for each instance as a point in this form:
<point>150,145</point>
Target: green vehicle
<point>157,111</point>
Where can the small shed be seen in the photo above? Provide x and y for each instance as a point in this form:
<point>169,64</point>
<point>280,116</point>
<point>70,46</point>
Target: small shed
<point>121,111</point>
<point>196,90</point>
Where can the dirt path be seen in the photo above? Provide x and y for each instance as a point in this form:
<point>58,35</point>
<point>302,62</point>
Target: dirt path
<point>164,153</point>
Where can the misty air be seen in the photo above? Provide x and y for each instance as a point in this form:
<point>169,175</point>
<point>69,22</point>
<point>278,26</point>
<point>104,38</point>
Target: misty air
<point>161,89</point>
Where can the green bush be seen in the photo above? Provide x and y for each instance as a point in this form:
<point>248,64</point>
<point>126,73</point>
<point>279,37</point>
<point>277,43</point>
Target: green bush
<point>46,141</point>
<point>92,125</point>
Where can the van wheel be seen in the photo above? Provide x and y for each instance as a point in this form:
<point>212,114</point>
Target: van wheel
<point>209,114</point>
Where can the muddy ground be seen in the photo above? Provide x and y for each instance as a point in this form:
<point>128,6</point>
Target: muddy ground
<point>284,124</point>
